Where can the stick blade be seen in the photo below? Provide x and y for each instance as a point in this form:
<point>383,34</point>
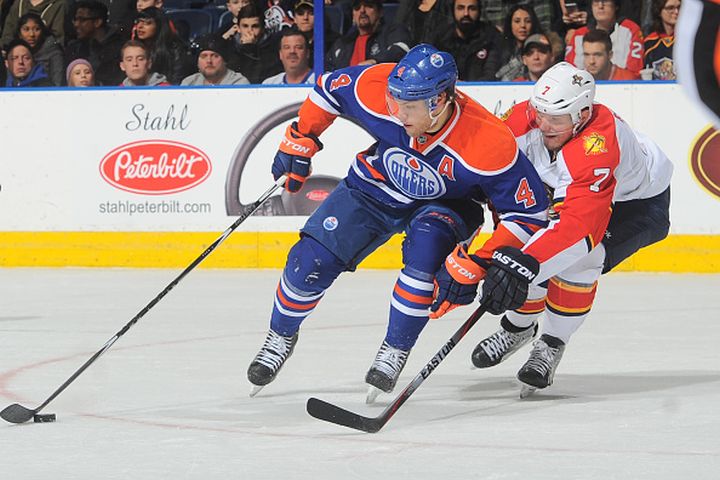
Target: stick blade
<point>16,413</point>
<point>328,412</point>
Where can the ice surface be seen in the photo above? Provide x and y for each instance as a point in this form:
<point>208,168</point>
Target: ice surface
<point>637,395</point>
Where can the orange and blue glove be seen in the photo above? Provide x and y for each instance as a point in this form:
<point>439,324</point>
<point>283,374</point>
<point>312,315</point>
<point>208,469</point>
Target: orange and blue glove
<point>457,281</point>
<point>293,157</point>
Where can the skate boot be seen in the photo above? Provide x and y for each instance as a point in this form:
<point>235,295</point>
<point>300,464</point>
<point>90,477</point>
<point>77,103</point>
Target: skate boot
<point>501,344</point>
<point>385,370</point>
<point>539,370</point>
<point>270,359</point>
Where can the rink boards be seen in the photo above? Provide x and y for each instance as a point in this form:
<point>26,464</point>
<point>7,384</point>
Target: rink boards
<point>116,177</point>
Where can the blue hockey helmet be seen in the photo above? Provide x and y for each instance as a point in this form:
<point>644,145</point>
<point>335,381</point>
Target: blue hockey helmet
<point>423,73</point>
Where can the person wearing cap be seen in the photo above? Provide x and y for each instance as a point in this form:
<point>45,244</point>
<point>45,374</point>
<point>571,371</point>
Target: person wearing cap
<point>537,57</point>
<point>295,57</point>
<point>212,64</point>
<point>598,55</point>
<point>370,41</point>
<point>475,44</point>
<point>80,74</point>
<point>304,15</point>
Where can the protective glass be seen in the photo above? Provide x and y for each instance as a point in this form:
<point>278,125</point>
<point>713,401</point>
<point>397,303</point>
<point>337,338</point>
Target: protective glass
<point>404,109</point>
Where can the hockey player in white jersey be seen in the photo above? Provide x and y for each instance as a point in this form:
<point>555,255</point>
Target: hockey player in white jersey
<point>610,196</point>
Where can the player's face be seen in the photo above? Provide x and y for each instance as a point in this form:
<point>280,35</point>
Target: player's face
<point>556,129</point>
<point>31,32</point>
<point>414,115</point>
<point>521,25</point>
<point>81,76</point>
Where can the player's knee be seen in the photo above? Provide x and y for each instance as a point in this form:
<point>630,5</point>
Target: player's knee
<point>429,240</point>
<point>310,267</point>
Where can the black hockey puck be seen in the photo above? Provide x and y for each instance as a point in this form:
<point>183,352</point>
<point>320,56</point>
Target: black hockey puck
<point>44,418</point>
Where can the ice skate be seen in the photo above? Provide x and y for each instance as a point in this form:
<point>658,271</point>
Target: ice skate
<point>270,359</point>
<point>501,344</point>
<point>539,371</point>
<point>384,371</point>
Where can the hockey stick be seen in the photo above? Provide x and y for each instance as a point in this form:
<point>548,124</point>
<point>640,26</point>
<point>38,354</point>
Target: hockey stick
<point>332,413</point>
<point>16,413</point>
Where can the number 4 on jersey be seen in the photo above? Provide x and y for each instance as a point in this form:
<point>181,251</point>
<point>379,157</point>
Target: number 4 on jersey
<point>524,194</point>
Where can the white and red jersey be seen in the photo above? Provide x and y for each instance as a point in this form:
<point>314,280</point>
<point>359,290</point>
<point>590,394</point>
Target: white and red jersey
<point>627,44</point>
<point>606,162</point>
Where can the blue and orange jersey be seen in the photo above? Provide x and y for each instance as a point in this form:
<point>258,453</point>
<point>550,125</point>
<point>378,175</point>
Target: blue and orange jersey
<point>474,155</point>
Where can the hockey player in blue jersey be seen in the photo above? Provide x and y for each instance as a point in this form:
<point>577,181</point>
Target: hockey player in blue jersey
<point>438,157</point>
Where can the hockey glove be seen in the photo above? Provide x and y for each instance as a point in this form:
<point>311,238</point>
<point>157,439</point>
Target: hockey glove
<point>293,157</point>
<point>456,282</point>
<point>507,280</point>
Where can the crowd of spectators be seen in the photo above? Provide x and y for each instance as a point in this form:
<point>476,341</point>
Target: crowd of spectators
<point>140,42</point>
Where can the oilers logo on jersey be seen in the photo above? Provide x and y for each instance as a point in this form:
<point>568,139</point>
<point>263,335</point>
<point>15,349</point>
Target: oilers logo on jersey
<point>413,177</point>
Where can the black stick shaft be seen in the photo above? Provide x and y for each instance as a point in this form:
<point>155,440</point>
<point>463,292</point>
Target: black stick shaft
<point>434,362</point>
<point>328,412</point>
<point>249,211</point>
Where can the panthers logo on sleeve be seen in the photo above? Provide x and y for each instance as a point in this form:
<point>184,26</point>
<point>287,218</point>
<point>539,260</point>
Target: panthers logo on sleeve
<point>594,144</point>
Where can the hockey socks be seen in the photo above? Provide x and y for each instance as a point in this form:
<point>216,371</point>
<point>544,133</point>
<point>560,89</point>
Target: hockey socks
<point>411,299</point>
<point>290,308</point>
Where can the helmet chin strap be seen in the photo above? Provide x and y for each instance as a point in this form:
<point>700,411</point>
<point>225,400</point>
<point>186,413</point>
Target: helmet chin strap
<point>435,118</point>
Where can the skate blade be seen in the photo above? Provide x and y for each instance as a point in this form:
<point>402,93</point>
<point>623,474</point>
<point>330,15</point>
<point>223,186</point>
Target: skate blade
<point>526,390</point>
<point>372,394</point>
<point>255,389</point>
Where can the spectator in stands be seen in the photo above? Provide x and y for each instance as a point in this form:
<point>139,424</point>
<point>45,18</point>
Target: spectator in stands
<point>475,44</point>
<point>80,74</point>
<point>495,11</point>
<point>659,43</point>
<point>135,61</point>
<point>230,28</point>
<point>370,40</point>
<point>212,66</point>
<point>575,14</point>
<point>254,51</point>
<point>537,57</point>
<point>295,58</point>
<point>598,53</point>
<point>43,45</point>
<point>625,35</point>
<point>168,53</point>
<point>424,18</point>
<point>305,22</point>
<point>520,23</point>
<point>22,71</point>
<point>96,42</point>
<point>52,13</point>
